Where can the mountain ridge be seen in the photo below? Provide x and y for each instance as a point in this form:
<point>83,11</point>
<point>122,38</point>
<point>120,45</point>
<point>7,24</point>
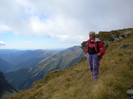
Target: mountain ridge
<point>24,77</point>
<point>4,65</point>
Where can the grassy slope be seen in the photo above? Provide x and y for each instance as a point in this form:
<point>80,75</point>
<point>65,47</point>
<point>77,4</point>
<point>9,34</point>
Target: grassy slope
<point>115,78</point>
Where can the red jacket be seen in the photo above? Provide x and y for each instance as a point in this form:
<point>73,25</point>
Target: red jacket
<point>100,44</point>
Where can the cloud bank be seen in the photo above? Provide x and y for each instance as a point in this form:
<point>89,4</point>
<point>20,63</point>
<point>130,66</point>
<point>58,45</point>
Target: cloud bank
<point>2,43</point>
<point>67,20</point>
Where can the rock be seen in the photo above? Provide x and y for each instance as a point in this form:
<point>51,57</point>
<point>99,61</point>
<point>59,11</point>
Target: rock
<point>127,32</point>
<point>130,92</point>
<point>116,39</point>
<point>125,46</point>
<point>113,36</point>
<point>84,45</point>
<point>106,42</point>
<point>121,38</point>
<point>36,96</point>
<point>125,35</point>
<point>112,61</point>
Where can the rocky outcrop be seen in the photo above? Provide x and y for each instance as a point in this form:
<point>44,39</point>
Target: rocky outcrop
<point>111,36</point>
<point>130,93</point>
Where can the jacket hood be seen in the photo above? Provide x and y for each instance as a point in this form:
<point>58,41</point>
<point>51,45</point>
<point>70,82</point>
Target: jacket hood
<point>97,39</point>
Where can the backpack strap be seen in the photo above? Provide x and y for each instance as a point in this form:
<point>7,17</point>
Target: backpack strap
<point>98,47</point>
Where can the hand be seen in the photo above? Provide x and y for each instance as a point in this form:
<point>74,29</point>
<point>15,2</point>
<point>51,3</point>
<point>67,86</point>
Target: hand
<point>99,54</point>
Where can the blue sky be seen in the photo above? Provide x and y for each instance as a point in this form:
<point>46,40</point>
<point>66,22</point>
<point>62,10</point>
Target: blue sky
<point>22,41</point>
<point>50,24</point>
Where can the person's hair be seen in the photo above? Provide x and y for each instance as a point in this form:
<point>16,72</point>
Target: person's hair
<point>92,33</point>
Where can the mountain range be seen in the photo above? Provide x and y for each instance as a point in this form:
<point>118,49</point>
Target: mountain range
<point>31,65</point>
<point>4,65</point>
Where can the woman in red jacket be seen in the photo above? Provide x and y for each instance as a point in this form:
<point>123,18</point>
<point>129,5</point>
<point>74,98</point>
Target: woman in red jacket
<point>95,50</point>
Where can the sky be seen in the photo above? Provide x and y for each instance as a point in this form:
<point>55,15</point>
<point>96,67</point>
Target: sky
<point>51,24</point>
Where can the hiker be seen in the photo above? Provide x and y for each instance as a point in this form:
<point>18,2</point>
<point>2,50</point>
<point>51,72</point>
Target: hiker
<point>95,50</point>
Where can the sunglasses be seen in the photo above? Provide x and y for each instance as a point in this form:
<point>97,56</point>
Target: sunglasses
<point>90,35</point>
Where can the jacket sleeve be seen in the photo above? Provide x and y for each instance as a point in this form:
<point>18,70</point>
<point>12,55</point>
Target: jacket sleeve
<point>101,48</point>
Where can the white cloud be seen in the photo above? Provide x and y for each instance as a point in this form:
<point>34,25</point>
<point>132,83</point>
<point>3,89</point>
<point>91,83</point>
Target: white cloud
<point>2,43</point>
<point>27,41</point>
<point>4,28</point>
<point>68,20</point>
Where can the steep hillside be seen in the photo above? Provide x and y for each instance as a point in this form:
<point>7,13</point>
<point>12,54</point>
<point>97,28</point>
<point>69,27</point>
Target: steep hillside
<point>4,66</point>
<point>9,55</point>
<point>22,58</point>
<point>23,78</point>
<point>63,59</point>
<point>30,59</point>
<point>115,77</point>
<point>5,88</point>
<point>29,54</point>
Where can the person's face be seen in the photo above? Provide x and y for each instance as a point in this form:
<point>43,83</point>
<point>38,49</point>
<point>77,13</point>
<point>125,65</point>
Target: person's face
<point>91,36</point>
